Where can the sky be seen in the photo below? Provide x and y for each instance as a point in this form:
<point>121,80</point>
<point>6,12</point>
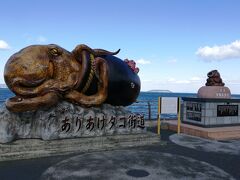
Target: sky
<point>174,42</point>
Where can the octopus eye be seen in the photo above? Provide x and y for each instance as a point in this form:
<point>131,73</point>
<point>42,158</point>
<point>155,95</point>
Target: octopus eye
<point>55,52</point>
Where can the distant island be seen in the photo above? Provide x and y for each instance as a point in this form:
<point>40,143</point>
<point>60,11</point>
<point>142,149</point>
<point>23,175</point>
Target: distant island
<point>160,91</point>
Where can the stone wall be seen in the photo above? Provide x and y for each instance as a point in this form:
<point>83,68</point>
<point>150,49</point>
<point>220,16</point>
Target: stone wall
<point>209,113</point>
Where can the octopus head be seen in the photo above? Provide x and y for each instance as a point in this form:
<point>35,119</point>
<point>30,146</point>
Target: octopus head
<point>33,65</point>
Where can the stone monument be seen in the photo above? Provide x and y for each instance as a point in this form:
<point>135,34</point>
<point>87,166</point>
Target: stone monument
<point>213,106</point>
<point>62,94</point>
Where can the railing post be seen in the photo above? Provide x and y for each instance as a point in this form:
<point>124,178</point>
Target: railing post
<point>159,116</point>
<point>149,114</point>
<point>149,111</point>
<point>179,115</point>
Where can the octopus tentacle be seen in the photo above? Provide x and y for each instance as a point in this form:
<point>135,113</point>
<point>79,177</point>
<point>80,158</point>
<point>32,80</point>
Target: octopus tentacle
<point>101,95</point>
<point>96,52</point>
<point>77,52</point>
<point>82,54</point>
<point>50,85</point>
<point>18,104</point>
<point>102,52</point>
<point>85,64</point>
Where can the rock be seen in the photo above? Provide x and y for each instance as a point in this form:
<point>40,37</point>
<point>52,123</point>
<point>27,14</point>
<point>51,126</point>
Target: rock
<point>66,120</point>
<point>217,92</point>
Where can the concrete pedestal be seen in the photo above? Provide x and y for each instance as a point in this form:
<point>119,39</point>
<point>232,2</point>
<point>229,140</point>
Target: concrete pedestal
<point>36,148</point>
<point>211,112</point>
<point>216,92</point>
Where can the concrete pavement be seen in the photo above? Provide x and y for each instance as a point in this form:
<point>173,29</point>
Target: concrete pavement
<point>168,160</point>
<point>133,164</point>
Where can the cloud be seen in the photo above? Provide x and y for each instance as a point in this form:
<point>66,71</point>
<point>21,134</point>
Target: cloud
<point>217,53</point>
<point>195,78</point>
<point>171,79</point>
<point>191,84</point>
<point>4,45</point>
<point>143,61</point>
<point>182,81</point>
<point>41,39</point>
<point>33,39</point>
<point>172,61</point>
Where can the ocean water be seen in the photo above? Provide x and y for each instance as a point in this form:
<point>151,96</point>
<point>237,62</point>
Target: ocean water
<point>147,102</point>
<point>4,94</point>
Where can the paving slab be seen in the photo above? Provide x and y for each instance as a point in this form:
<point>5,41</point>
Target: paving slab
<point>201,144</point>
<point>128,165</point>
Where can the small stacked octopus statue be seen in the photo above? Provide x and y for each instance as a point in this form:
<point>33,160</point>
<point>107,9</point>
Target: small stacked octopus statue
<point>214,79</point>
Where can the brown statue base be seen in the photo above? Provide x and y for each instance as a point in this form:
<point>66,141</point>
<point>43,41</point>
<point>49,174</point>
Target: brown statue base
<point>219,92</point>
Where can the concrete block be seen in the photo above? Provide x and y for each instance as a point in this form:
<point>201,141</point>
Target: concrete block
<point>227,120</point>
<point>235,120</point>
<point>238,119</point>
<point>220,120</point>
<point>207,121</point>
<point>210,113</point>
<point>207,105</point>
<point>214,112</point>
<point>212,120</point>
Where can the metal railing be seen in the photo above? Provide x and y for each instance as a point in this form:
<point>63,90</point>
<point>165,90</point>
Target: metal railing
<point>148,108</point>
